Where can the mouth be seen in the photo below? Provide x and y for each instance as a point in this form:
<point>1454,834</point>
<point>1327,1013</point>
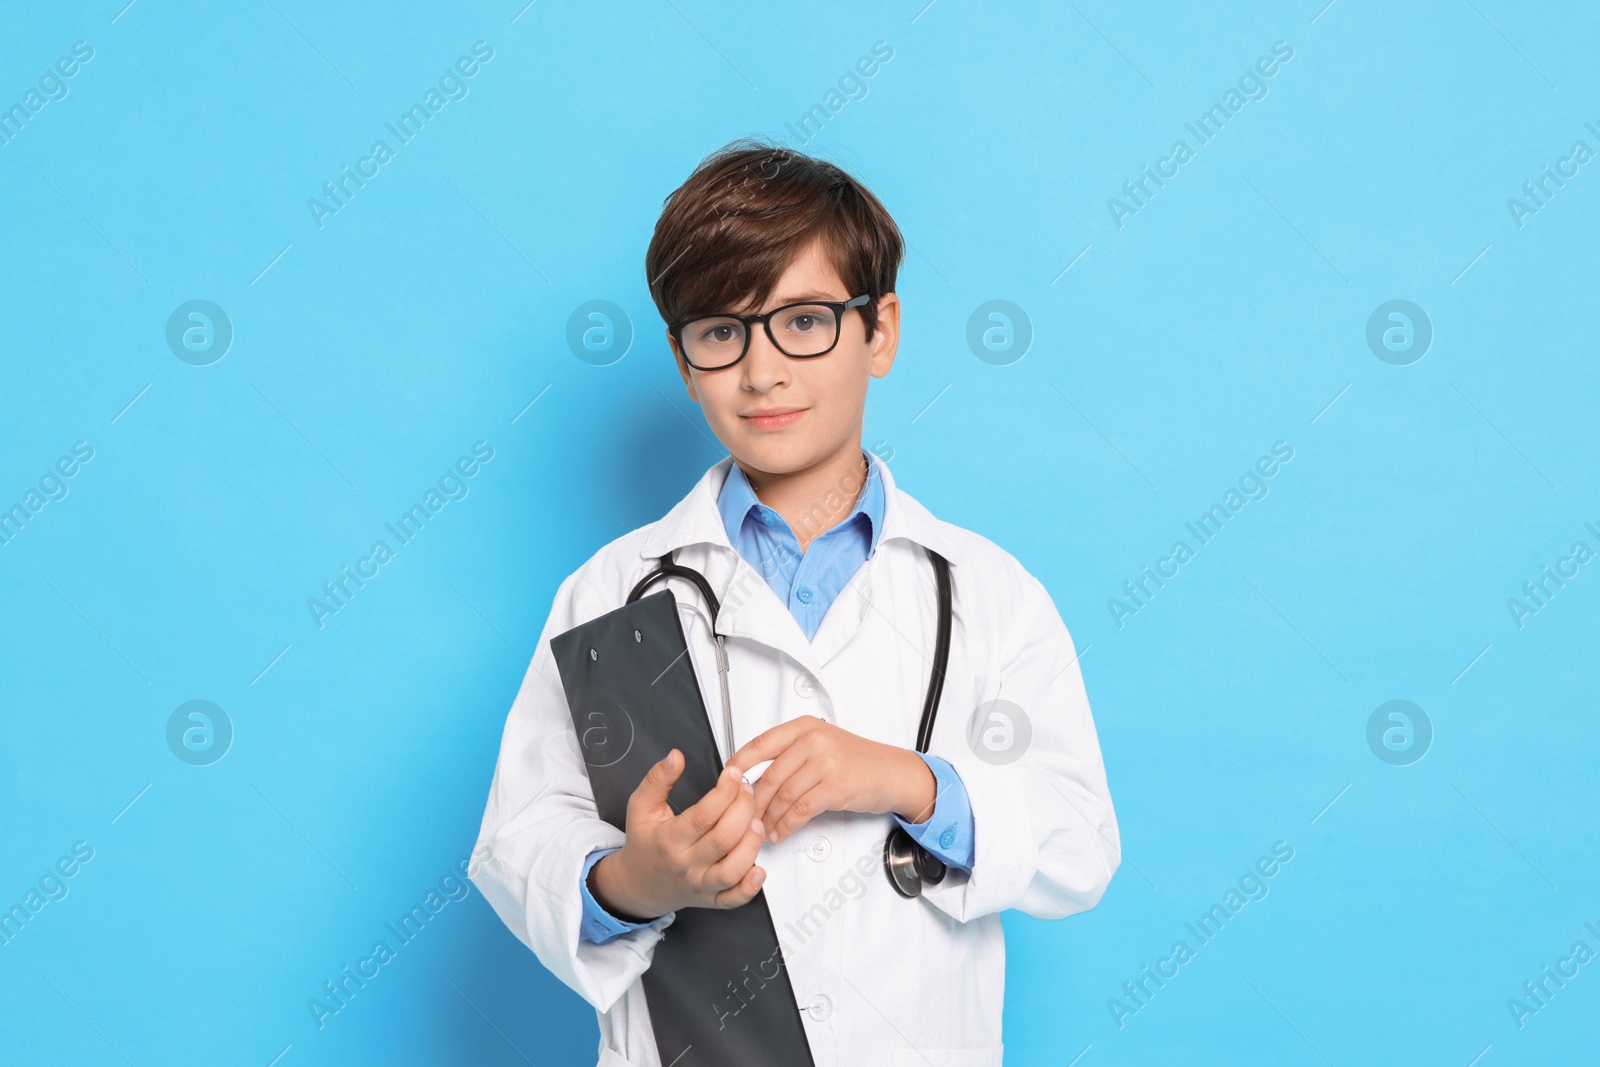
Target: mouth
<point>773,418</point>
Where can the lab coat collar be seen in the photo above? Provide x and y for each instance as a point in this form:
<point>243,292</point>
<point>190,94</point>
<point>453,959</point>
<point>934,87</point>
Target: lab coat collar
<point>750,608</point>
<point>696,518</point>
<point>737,499</point>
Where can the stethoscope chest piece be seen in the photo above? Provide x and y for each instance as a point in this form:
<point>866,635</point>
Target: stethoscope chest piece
<point>910,866</point>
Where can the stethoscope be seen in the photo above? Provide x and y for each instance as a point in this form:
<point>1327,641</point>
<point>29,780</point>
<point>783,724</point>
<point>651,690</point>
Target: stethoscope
<point>908,865</point>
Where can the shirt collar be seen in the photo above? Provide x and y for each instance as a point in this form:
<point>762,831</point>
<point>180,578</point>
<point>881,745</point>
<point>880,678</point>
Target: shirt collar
<point>737,499</point>
<point>698,518</point>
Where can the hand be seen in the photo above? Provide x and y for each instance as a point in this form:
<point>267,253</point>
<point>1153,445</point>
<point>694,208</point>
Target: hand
<point>819,767</point>
<point>704,857</point>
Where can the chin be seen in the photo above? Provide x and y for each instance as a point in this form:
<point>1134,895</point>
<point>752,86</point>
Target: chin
<point>772,460</point>
<point>774,456</point>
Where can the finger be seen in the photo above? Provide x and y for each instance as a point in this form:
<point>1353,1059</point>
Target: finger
<point>698,818</point>
<point>814,802</point>
<point>744,892</point>
<point>795,799</point>
<point>769,745</point>
<point>729,830</point>
<point>793,761</point>
<point>731,869</point>
<point>651,792</point>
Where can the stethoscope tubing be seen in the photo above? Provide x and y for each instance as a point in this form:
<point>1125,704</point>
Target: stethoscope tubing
<point>908,865</point>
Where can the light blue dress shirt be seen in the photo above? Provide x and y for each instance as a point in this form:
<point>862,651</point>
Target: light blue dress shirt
<point>807,583</point>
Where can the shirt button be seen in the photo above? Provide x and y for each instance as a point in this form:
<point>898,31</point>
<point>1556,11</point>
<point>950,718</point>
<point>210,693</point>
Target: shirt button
<point>819,848</point>
<point>820,1007</point>
<point>947,838</point>
<point>805,684</point>
<point>803,595</point>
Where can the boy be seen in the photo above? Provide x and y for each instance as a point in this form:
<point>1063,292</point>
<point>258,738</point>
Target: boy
<point>828,607</point>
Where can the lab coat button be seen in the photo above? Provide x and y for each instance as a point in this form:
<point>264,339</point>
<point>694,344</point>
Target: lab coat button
<point>805,684</point>
<point>819,848</point>
<point>820,1007</point>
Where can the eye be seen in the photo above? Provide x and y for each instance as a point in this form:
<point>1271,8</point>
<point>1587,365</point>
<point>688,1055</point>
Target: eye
<point>807,320</point>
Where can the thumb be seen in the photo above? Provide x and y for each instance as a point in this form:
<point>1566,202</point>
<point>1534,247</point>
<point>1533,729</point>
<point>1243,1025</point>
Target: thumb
<point>651,793</point>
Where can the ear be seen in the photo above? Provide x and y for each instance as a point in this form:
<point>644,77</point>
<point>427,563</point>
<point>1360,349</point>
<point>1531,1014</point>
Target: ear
<point>886,339</point>
<point>683,368</point>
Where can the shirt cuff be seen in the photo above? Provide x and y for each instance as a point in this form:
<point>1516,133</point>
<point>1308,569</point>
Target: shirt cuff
<point>949,832</point>
<point>598,925</point>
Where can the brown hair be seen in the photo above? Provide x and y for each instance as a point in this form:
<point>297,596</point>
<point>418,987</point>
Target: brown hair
<point>727,233</point>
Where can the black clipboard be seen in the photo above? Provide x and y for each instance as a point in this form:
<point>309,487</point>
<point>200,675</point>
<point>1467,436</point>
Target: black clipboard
<point>717,987</point>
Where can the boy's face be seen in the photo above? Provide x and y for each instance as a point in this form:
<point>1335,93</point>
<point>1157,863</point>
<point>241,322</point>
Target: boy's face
<point>827,395</point>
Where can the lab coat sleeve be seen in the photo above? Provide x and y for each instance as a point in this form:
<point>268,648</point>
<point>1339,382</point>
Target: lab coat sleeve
<point>1045,832</point>
<point>541,824</point>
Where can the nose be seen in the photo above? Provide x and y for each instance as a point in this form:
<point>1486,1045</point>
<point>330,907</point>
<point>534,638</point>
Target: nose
<point>764,366</point>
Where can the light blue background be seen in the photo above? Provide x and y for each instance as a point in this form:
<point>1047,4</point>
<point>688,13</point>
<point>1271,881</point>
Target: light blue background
<point>368,355</point>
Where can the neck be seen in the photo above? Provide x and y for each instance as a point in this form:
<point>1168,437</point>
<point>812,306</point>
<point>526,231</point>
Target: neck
<point>817,498</point>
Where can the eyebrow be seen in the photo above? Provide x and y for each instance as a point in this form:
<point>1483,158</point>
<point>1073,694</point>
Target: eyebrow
<point>808,294</point>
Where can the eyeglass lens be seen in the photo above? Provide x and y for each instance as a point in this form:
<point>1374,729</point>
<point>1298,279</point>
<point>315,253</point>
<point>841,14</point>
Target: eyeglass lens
<point>801,330</point>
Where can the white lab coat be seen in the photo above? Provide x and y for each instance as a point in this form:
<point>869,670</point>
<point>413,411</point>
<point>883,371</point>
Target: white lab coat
<point>880,980</point>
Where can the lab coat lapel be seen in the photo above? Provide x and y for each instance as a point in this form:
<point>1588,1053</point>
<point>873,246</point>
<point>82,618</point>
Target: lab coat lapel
<point>846,614</point>
<point>904,519</point>
<point>752,610</point>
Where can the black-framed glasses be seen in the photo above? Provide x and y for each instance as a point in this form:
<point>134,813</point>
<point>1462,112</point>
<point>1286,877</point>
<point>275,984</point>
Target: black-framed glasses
<point>803,330</point>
